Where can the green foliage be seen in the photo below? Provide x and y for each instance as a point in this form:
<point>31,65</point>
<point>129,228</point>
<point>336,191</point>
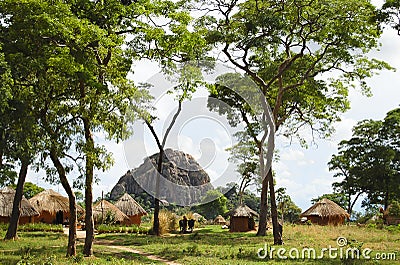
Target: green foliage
<point>368,162</point>
<point>30,189</point>
<point>394,208</point>
<point>108,218</point>
<point>389,14</point>
<point>214,203</point>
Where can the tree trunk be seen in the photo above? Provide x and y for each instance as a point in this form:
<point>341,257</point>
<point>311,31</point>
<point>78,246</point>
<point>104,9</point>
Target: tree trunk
<point>89,222</point>
<point>156,221</point>
<point>262,223</point>
<point>13,226</point>
<point>71,249</point>
<point>276,227</point>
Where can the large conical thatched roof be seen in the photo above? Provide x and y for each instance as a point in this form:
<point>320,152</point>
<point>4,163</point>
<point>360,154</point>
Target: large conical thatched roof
<point>243,211</point>
<point>326,208</point>
<point>103,206</point>
<point>52,202</point>
<point>6,204</point>
<point>129,206</point>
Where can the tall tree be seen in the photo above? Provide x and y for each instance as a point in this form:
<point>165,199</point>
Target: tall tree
<point>245,154</point>
<point>189,78</point>
<point>287,48</point>
<point>348,172</point>
<point>40,60</point>
<point>369,162</point>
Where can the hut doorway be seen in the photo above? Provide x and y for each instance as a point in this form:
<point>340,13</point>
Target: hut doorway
<point>59,217</point>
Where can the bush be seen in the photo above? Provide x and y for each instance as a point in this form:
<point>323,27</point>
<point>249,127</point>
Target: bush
<point>168,222</point>
<point>108,218</point>
<point>394,208</point>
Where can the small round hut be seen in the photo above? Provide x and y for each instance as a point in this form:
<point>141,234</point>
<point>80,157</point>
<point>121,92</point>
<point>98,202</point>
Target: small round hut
<point>27,211</point>
<point>103,208</point>
<point>53,207</point>
<point>131,208</point>
<point>219,220</point>
<point>242,219</point>
<point>326,212</point>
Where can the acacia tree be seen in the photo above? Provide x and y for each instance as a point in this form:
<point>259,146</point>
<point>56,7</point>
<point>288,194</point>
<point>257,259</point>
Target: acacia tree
<point>39,59</point>
<point>345,168</point>
<point>287,48</point>
<point>7,172</point>
<point>370,161</point>
<point>19,138</point>
<point>189,78</point>
<point>245,153</point>
<point>80,84</point>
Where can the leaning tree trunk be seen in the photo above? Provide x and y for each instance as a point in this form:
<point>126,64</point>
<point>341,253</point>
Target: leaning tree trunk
<point>71,249</point>
<point>276,228</point>
<point>12,227</point>
<point>89,222</point>
<point>262,223</point>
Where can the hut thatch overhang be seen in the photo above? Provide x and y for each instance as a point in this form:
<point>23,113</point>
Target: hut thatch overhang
<point>326,212</point>
<point>131,208</point>
<point>27,211</point>
<point>52,206</point>
<point>101,208</point>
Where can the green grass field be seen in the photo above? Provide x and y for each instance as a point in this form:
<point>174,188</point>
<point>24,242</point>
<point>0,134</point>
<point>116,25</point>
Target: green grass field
<point>207,245</point>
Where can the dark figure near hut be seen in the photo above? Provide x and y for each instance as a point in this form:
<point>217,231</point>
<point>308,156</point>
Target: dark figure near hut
<point>191,225</point>
<point>183,224</point>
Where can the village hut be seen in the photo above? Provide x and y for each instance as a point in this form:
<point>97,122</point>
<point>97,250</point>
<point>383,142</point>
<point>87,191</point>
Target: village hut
<point>219,220</point>
<point>326,212</point>
<point>103,209</point>
<point>27,211</point>
<point>242,219</point>
<point>131,208</point>
<point>390,215</point>
<point>53,207</point>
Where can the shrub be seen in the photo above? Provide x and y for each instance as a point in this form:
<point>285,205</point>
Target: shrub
<point>108,218</point>
<point>168,222</point>
<point>394,208</point>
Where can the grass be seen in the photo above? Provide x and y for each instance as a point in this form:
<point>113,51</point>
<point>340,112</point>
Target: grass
<point>49,248</point>
<point>207,245</point>
<point>213,245</point>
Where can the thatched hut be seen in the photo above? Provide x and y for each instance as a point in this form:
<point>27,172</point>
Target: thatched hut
<point>131,208</point>
<point>103,208</point>
<point>242,219</point>
<point>390,216</point>
<point>53,207</point>
<point>219,220</point>
<point>27,211</point>
<point>326,212</point>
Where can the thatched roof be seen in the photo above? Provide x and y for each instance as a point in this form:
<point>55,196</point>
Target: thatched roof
<point>243,211</point>
<point>219,219</point>
<point>6,204</point>
<point>102,207</point>
<point>52,202</point>
<point>326,208</point>
<point>129,206</point>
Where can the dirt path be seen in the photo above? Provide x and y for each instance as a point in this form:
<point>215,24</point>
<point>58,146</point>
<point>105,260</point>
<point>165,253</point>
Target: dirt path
<point>82,234</point>
<point>149,256</point>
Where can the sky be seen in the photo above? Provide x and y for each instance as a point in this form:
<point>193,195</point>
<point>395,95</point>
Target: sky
<point>303,172</point>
